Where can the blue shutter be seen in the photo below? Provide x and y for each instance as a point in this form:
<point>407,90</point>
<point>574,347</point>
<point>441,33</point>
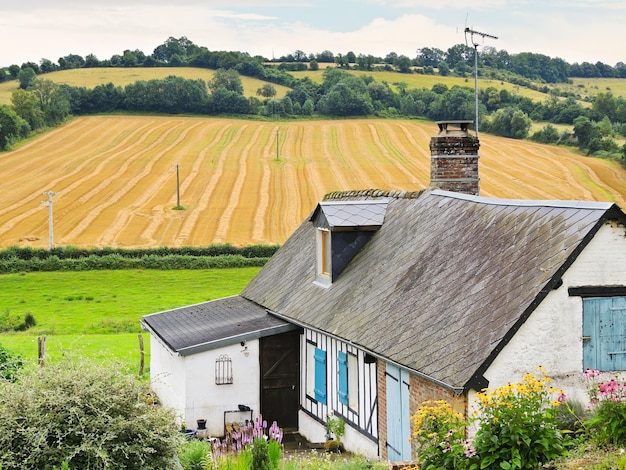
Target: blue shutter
<point>342,362</point>
<point>604,331</point>
<point>320,375</point>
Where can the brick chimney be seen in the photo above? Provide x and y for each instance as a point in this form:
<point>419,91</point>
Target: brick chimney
<point>454,159</point>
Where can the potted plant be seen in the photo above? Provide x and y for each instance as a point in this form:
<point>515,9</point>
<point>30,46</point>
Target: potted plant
<point>335,427</point>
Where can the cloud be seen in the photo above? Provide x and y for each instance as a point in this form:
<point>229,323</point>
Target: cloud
<point>574,30</point>
<point>455,5</point>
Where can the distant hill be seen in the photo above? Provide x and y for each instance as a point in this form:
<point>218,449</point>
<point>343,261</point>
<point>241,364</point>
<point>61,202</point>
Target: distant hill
<point>585,88</point>
<point>122,76</point>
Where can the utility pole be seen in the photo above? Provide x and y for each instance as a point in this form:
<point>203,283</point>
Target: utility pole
<point>177,187</point>
<point>277,137</point>
<point>50,195</point>
<point>475,44</point>
<point>178,206</point>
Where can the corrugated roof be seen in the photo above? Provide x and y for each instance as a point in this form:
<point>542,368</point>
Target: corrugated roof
<point>443,283</point>
<point>208,325</point>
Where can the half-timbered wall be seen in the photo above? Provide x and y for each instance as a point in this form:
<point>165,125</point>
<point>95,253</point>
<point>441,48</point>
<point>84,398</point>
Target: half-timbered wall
<point>359,409</point>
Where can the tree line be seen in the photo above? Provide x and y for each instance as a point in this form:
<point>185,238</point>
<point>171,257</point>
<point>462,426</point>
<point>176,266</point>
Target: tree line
<point>177,52</point>
<point>40,102</point>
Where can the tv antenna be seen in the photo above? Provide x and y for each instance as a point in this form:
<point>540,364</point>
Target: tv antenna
<point>475,43</point>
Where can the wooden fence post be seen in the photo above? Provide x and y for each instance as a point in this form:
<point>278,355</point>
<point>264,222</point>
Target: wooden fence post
<point>141,355</point>
<point>41,350</point>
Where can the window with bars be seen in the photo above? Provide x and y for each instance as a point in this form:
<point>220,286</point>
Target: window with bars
<point>223,370</point>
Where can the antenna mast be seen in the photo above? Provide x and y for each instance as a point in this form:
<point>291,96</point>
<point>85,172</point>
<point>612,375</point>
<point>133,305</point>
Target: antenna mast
<point>471,32</point>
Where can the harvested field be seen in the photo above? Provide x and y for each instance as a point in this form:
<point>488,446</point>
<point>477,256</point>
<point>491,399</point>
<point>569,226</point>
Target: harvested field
<point>245,181</point>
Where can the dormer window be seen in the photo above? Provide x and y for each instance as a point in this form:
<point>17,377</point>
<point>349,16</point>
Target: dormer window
<point>324,253</point>
<point>343,228</point>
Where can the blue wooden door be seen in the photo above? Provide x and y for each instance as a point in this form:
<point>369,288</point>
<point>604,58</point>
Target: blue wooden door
<point>604,333</point>
<point>398,415</point>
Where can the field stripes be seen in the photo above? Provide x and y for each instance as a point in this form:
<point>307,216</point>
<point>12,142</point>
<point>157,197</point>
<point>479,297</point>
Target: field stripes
<point>244,181</point>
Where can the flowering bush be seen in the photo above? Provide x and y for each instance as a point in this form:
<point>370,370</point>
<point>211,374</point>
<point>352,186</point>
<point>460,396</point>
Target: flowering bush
<point>439,436</point>
<point>608,401</point>
<point>254,444</point>
<point>518,426</point>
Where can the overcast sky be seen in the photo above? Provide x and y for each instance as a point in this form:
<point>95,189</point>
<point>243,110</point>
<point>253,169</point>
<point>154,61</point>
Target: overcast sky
<point>574,30</point>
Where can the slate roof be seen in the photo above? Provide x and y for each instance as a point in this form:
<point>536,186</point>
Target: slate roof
<point>208,325</point>
<point>444,283</point>
<point>352,214</point>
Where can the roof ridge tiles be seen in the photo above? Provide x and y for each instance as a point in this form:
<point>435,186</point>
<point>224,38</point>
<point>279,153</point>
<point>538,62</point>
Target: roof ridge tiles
<point>364,193</point>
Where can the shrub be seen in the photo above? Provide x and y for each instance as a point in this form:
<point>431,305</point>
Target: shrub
<point>335,427</point>
<point>260,455</point>
<point>10,364</point>
<point>195,455</point>
<point>608,399</point>
<point>15,323</point>
<point>518,424</point>
<point>86,414</point>
<point>439,436</point>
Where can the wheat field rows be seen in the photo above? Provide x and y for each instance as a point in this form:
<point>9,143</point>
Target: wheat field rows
<point>245,182</point>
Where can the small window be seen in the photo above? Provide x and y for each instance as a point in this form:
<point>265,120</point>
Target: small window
<point>324,268</point>
<point>223,370</point>
<point>310,369</point>
<point>604,333</point>
<point>353,382</point>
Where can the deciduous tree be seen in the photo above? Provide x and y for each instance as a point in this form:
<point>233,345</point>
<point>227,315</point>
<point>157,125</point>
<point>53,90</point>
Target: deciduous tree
<point>267,91</point>
<point>10,125</point>
<point>26,105</point>
<point>227,79</point>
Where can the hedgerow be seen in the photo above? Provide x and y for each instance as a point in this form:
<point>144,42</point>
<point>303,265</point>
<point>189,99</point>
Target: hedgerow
<point>16,259</point>
<point>72,252</point>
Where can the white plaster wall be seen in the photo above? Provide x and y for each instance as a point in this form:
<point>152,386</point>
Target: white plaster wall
<point>552,336</point>
<point>311,429</point>
<point>206,400</point>
<point>357,443</point>
<point>167,377</point>
<point>353,441</point>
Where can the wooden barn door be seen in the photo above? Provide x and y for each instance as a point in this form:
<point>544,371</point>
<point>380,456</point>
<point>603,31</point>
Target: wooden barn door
<point>280,378</point>
<point>398,416</point>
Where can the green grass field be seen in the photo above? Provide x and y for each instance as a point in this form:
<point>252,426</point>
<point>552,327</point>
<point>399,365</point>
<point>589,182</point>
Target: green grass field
<point>96,313</point>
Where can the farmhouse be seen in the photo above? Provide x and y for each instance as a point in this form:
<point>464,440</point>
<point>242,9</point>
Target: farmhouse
<point>383,299</point>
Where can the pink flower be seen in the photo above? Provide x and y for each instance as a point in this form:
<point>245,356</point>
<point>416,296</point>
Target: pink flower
<point>469,449</point>
<point>608,388</point>
<point>562,397</point>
